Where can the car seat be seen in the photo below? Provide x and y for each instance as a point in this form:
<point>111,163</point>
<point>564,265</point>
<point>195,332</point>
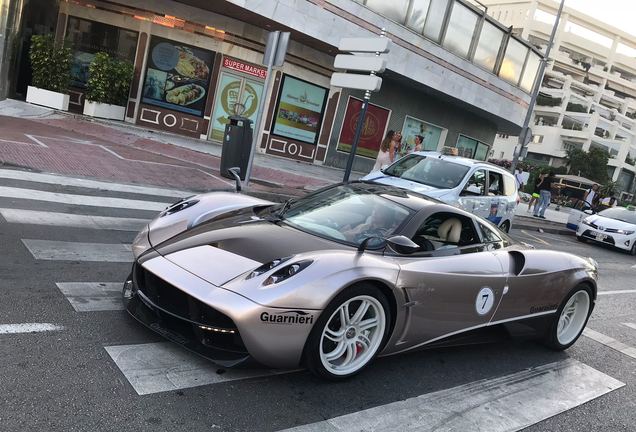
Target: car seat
<point>450,230</point>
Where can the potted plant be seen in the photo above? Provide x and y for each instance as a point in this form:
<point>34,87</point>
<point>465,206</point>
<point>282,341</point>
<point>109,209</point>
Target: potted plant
<point>51,68</point>
<point>108,87</point>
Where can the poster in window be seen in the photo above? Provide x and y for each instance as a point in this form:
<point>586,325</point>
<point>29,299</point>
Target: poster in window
<point>177,76</point>
<point>373,129</point>
<point>413,127</point>
<point>299,110</point>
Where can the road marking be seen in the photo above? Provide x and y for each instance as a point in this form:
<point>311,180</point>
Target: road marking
<point>91,184</point>
<point>491,405</point>
<point>610,342</point>
<point>93,296</point>
<point>28,328</point>
<point>164,366</point>
<point>634,266</point>
<point>616,292</point>
<point>34,217</point>
<point>73,251</point>
<point>630,325</point>
<point>536,238</point>
<point>86,200</point>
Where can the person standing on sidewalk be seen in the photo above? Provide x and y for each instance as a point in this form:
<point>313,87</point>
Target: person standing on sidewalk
<point>545,194</point>
<point>534,197</point>
<point>386,154</point>
<point>590,199</point>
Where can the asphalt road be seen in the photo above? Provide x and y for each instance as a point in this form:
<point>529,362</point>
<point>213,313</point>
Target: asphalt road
<point>83,364</point>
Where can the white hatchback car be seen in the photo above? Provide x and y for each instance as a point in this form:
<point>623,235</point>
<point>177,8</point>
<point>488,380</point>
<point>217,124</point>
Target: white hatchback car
<point>614,226</point>
<point>481,188</point>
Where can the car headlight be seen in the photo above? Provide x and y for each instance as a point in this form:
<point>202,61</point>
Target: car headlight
<point>287,272</point>
<point>267,267</point>
<point>586,221</point>
<point>141,243</point>
<point>624,232</point>
<point>178,206</point>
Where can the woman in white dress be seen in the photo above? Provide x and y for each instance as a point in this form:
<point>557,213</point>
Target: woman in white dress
<point>386,155</point>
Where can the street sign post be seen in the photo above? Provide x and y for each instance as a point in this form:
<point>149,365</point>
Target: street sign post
<point>368,83</point>
<point>275,51</point>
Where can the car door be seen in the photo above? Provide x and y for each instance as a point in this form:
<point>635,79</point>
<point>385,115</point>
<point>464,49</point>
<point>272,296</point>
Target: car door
<point>473,196</point>
<point>450,289</point>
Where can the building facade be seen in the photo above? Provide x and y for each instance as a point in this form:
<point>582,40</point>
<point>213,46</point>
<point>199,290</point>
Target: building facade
<point>454,75</point>
<point>588,95</point>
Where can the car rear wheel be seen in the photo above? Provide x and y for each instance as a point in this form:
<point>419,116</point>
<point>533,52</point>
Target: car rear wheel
<point>349,333</point>
<point>571,319</point>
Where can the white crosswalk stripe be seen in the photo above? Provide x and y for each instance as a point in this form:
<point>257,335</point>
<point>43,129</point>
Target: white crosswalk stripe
<point>93,296</point>
<point>35,217</point>
<point>164,366</point>
<point>81,200</point>
<point>74,251</point>
<point>488,405</point>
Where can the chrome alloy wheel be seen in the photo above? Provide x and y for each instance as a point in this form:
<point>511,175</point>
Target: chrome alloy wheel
<point>352,335</point>
<point>573,317</point>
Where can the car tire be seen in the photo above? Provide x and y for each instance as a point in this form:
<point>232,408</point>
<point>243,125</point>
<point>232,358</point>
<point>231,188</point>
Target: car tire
<point>632,251</point>
<point>337,351</point>
<point>581,239</point>
<point>505,227</point>
<point>571,318</point>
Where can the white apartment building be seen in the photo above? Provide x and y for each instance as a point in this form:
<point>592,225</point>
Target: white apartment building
<point>588,95</point>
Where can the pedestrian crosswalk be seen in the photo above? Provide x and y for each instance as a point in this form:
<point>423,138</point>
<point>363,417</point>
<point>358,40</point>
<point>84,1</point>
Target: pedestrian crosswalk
<point>99,223</point>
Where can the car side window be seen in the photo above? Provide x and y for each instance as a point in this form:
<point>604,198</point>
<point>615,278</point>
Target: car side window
<point>491,238</point>
<point>495,184</point>
<point>476,185</point>
<point>446,233</point>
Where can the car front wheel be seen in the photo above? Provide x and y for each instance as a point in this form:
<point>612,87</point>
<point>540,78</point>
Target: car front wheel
<point>349,333</point>
<point>571,319</point>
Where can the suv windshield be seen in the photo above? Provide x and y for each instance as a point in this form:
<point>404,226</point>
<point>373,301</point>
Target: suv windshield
<point>428,170</point>
<point>346,214</point>
<point>620,213</point>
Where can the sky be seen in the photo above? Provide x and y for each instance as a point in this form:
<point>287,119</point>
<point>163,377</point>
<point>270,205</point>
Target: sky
<point>618,13</point>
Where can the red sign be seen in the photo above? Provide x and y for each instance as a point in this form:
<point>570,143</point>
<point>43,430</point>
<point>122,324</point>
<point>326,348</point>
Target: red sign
<point>250,69</point>
<point>375,123</point>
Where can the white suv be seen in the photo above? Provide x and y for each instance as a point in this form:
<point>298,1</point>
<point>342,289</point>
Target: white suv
<point>482,188</point>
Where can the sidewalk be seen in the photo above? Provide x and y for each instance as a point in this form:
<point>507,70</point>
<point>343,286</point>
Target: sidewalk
<point>46,140</point>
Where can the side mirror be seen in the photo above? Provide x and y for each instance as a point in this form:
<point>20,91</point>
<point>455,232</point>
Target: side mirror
<point>403,245</point>
<point>236,172</point>
<point>588,212</point>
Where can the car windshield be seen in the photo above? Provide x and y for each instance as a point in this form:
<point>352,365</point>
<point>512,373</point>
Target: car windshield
<point>347,214</point>
<point>620,213</point>
<point>428,170</point>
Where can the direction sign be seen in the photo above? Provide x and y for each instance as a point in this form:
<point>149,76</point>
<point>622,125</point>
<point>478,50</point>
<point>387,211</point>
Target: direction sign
<point>357,82</point>
<point>365,45</point>
<point>360,63</point>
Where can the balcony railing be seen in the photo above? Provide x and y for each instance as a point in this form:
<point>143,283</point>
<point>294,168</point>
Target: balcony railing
<point>468,32</point>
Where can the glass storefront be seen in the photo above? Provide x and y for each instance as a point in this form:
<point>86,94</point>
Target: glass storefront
<point>90,37</point>
<point>471,148</point>
<point>413,127</point>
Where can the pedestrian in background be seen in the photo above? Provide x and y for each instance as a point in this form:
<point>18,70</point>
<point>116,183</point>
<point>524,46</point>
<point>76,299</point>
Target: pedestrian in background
<point>545,194</point>
<point>418,140</point>
<point>590,199</point>
<point>534,197</point>
<point>386,155</point>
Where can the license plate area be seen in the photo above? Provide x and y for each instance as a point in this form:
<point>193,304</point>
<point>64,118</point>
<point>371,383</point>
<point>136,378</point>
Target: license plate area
<point>600,236</point>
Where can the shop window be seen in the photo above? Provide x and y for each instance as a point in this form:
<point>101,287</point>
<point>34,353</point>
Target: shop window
<point>471,148</point>
<point>431,134</point>
<point>89,37</point>
<point>488,46</point>
<point>530,72</point>
<point>460,31</point>
<point>177,76</point>
<point>299,110</point>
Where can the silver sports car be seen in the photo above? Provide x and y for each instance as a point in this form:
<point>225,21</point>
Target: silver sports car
<point>349,272</point>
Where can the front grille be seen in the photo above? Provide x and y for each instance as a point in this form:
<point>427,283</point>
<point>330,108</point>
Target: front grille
<point>187,313</point>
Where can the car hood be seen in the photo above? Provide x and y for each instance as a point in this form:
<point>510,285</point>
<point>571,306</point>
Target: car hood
<point>221,249</point>
<point>607,223</point>
<point>379,177</point>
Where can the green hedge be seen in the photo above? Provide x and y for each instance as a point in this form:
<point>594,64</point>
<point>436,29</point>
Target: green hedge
<point>50,63</point>
<point>109,80</point>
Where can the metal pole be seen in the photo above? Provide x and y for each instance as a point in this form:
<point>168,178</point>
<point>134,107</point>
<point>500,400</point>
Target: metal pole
<point>356,137</point>
<point>258,126</point>
<point>535,91</point>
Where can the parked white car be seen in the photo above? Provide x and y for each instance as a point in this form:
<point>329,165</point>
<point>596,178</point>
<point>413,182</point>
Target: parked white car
<point>481,188</point>
<point>614,226</point>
